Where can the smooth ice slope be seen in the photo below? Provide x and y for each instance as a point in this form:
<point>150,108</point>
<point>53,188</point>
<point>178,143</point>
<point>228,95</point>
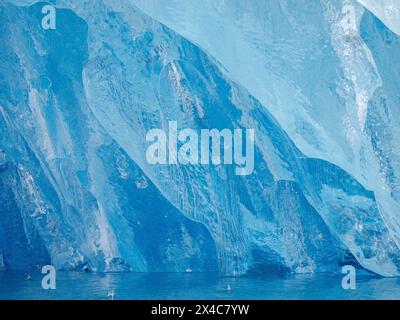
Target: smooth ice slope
<point>386,10</point>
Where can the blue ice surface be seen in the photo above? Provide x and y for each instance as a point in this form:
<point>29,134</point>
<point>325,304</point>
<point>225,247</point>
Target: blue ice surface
<point>76,103</point>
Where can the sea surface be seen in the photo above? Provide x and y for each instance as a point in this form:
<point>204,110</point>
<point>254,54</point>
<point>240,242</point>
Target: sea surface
<point>195,286</point>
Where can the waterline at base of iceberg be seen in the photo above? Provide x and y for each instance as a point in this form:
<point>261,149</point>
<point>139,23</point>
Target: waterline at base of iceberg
<point>196,286</point>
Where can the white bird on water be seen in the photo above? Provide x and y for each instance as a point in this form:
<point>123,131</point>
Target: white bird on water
<point>111,294</point>
<point>229,288</point>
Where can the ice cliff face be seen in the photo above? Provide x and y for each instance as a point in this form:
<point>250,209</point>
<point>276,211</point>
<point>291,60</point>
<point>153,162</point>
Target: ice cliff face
<point>315,79</point>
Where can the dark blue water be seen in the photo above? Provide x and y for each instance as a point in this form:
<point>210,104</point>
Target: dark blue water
<point>72,285</point>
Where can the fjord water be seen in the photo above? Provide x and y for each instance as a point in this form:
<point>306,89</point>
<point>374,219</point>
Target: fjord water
<point>197,286</point>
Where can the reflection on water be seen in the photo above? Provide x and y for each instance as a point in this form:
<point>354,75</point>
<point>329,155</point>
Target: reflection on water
<point>143,286</point>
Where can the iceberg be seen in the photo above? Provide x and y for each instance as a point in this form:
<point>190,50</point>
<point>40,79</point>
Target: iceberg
<point>76,103</point>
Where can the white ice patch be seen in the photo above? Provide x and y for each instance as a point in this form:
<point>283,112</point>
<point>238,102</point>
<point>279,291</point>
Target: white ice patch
<point>388,11</point>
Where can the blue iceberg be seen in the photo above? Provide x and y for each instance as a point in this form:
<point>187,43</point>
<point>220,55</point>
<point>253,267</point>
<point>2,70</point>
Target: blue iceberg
<point>315,79</point>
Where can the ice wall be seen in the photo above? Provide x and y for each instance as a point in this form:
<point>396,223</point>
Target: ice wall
<point>76,103</point>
